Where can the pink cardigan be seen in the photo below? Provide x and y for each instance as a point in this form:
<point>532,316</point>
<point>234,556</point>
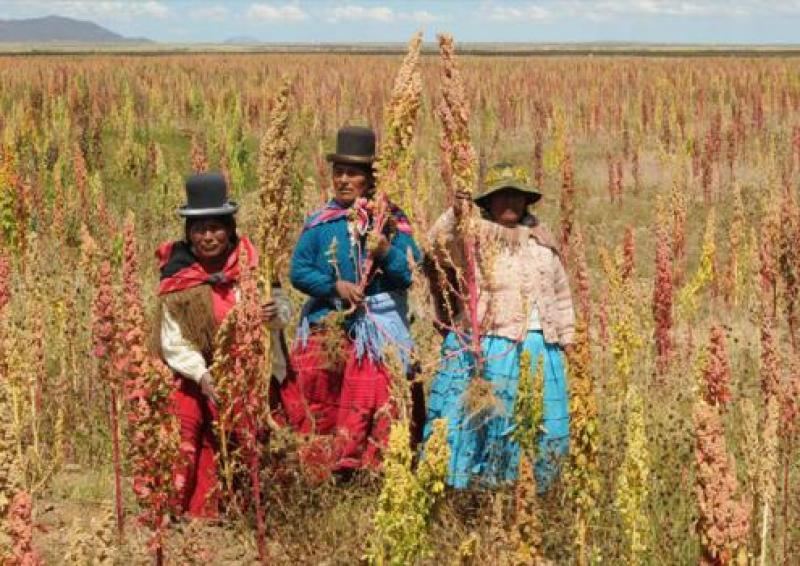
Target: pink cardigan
<point>518,269</point>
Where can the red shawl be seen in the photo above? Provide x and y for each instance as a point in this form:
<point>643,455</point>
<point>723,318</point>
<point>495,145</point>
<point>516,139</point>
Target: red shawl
<point>181,270</point>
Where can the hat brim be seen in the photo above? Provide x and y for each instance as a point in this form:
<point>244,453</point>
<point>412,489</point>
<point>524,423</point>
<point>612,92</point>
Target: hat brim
<point>355,159</point>
<point>532,194</point>
<point>229,207</point>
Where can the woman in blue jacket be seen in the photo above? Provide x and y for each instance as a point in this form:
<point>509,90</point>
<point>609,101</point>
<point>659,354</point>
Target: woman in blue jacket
<point>351,318</point>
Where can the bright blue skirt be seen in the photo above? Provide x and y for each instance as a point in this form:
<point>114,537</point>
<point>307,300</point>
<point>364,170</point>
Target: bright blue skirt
<point>481,447</point>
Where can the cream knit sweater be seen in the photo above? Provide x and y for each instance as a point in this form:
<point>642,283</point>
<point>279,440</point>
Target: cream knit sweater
<point>519,277</point>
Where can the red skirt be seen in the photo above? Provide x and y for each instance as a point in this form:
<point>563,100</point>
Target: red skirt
<point>196,478</point>
<point>347,399</point>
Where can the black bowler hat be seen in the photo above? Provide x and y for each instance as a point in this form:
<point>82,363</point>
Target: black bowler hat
<point>207,195</point>
<point>354,144</point>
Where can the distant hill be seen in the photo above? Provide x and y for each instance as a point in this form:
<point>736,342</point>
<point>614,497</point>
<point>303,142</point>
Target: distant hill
<point>59,29</point>
<point>242,40</point>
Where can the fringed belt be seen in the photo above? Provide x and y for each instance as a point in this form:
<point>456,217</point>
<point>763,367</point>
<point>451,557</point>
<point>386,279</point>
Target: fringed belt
<point>380,324</point>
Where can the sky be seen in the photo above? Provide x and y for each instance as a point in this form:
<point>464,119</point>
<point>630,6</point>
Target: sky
<point>536,21</point>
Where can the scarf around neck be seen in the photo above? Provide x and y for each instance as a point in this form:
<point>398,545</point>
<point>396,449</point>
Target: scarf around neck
<point>181,270</point>
<point>360,212</point>
<point>528,227</point>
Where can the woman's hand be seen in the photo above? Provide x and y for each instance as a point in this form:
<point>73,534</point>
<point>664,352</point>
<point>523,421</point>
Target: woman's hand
<point>349,292</point>
<point>269,311</point>
<point>207,387</point>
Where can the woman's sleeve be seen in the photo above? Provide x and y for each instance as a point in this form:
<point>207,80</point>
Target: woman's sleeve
<point>443,230</point>
<point>442,239</point>
<point>179,354</point>
<point>305,274</point>
<point>284,309</point>
<point>563,303</point>
<point>398,263</point>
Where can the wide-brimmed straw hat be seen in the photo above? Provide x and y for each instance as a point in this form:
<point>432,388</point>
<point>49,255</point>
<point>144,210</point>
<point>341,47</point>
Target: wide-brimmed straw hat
<point>207,195</point>
<point>354,145</point>
<point>507,176</point>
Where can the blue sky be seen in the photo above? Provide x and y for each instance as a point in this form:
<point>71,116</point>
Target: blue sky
<point>680,21</point>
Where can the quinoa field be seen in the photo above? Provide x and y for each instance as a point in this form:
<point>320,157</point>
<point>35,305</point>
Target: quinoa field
<point>670,183</point>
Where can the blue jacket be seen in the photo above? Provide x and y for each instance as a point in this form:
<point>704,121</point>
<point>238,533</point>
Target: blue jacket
<point>313,272</point>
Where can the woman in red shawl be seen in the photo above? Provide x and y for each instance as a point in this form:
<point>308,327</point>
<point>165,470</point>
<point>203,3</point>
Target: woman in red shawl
<point>199,286</point>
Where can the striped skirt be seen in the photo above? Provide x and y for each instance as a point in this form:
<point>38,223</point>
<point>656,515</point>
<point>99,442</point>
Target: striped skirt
<point>482,449</point>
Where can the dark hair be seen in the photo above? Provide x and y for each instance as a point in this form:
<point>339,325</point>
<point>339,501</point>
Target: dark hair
<point>227,220</point>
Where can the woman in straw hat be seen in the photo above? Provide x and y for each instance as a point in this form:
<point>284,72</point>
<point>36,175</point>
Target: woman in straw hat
<point>351,319</point>
<point>524,304</point>
<point>198,288</point>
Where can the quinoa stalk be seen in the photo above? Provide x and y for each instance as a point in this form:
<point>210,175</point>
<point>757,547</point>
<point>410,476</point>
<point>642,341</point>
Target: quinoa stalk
<point>104,336</point>
<point>278,208</point>
<point>395,159</point>
<point>459,172</point>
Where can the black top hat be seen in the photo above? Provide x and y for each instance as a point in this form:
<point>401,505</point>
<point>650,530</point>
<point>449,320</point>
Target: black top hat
<point>207,195</point>
<point>354,144</point>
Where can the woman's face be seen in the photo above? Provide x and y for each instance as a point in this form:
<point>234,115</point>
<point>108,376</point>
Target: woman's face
<point>209,238</point>
<point>507,206</point>
<point>349,183</point>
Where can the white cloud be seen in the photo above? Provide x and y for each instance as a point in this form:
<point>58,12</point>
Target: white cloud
<point>519,13</point>
<point>791,7</point>
<point>354,13</point>
<point>421,17</point>
<point>542,10</point>
<point>667,7</point>
<point>213,13</point>
<point>380,14</point>
<point>102,9</point>
<point>89,9</point>
<point>273,13</point>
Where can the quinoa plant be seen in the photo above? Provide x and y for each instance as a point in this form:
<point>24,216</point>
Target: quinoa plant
<point>768,465</point>
<point>633,487</point>
<point>395,159</point>
<point>529,406</point>
<point>678,205</point>
<point>153,428</point>
<point>736,236</point>
<point>528,429</point>
<point>238,371</point>
<point>409,498</point>
<point>104,336</point>
<point>662,301</point>
<point>582,475</point>
<point>705,274</point>
<point>20,530</point>
<point>278,200</point>
<point>724,521</point>
<point>278,210</point>
<point>581,282</point>
<point>567,204</point>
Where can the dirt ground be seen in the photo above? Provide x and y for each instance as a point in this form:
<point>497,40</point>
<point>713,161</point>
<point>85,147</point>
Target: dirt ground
<point>327,524</point>
<point>73,524</point>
